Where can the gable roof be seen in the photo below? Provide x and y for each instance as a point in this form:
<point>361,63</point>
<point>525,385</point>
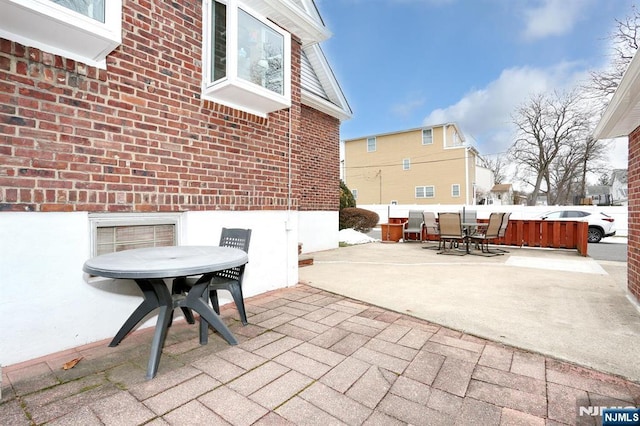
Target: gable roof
<point>501,187</point>
<point>320,88</point>
<point>620,175</point>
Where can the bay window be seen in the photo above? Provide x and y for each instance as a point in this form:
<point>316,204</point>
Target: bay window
<point>247,59</point>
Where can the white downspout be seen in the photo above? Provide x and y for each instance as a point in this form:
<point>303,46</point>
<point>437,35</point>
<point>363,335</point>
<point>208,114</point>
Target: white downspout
<point>466,174</point>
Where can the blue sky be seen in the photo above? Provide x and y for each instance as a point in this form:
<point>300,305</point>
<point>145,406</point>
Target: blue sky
<point>407,63</point>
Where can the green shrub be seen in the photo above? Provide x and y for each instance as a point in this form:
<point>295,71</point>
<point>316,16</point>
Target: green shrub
<point>346,197</point>
<point>362,220</point>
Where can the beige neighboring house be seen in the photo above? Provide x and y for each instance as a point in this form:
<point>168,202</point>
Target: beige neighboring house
<point>425,165</point>
<point>501,195</point>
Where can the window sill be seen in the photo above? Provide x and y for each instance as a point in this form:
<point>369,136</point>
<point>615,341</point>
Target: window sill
<point>48,27</point>
<point>245,97</point>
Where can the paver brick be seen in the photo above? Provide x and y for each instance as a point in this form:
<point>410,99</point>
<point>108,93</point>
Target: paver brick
<point>296,332</point>
<point>351,343</point>
<point>392,349</point>
<point>345,374</point>
<point>371,387</point>
<point>518,418</point>
<point>147,388</point>
<point>450,351</point>
<point>303,364</point>
<point>425,367</point>
<point>457,342</point>
<point>233,407</point>
<point>412,412</point>
<point>181,394</point>
<point>511,398</point>
<point>415,338</point>
<point>454,376</point>
<point>292,310</point>
<point>316,327</point>
<point>301,412</point>
<point>590,381</point>
<point>389,362</point>
<point>510,380</point>
<point>393,333</point>
<point>329,337</point>
<point>564,402</point>
<point>280,390</point>
<point>278,347</point>
<point>335,318</point>
<point>260,341</point>
<point>445,402</point>
<point>528,364</point>
<point>195,413</point>
<point>497,357</point>
<point>303,306</point>
<point>359,328</point>
<point>475,412</point>
<point>218,368</point>
<point>411,389</point>
<point>257,378</point>
<point>336,403</point>
<point>276,321</point>
<point>122,408</point>
<point>82,416</point>
<point>241,358</point>
<point>378,418</point>
<point>319,354</point>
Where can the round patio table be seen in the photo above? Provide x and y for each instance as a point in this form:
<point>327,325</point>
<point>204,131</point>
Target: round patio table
<point>148,267</point>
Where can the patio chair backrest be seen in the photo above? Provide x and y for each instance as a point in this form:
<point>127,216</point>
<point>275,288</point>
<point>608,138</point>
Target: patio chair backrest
<point>495,222</point>
<point>503,226</point>
<point>430,223</point>
<point>450,225</point>
<point>414,223</point>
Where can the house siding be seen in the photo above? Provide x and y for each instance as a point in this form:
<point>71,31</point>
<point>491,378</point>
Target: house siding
<point>633,255</point>
<point>379,176</point>
<point>137,137</point>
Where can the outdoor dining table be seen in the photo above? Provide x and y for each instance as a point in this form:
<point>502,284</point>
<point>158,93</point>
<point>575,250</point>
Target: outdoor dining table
<point>468,227</point>
<point>149,267</point>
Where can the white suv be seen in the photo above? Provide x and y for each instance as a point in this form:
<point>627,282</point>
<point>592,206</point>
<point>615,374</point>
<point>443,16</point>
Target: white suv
<point>600,224</point>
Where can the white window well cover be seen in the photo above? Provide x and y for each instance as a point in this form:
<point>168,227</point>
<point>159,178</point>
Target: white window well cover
<point>83,30</point>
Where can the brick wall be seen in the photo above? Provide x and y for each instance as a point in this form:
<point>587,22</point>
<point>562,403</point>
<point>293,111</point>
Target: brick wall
<point>320,159</point>
<point>633,255</point>
<point>137,136</point>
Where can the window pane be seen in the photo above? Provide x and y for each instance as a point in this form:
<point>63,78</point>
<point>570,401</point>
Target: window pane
<point>427,136</point>
<point>219,41</point>
<point>406,164</point>
<point>92,8</point>
<point>419,191</point>
<point>455,190</point>
<point>260,53</point>
<point>429,192</point>
<point>371,144</point>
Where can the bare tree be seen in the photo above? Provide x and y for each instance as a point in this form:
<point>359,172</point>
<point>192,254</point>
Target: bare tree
<point>497,165</point>
<point>625,40</point>
<point>549,126</point>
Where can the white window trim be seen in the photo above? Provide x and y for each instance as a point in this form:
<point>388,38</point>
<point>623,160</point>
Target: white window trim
<point>354,192</point>
<point>375,144</point>
<point>231,90</point>
<point>422,135</point>
<point>56,29</point>
<point>453,194</point>
<point>406,163</point>
<point>424,187</point>
<point>98,220</point>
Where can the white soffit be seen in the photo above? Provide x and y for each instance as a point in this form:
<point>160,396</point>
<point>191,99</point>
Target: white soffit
<point>622,115</point>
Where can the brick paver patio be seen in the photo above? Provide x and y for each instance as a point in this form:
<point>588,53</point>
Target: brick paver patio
<point>309,357</point>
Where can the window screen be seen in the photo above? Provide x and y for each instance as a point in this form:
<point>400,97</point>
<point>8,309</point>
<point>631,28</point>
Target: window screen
<point>117,238</point>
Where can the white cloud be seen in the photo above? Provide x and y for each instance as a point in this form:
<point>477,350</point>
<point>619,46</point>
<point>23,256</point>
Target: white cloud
<point>406,109</point>
<point>552,18</point>
<point>485,115</point>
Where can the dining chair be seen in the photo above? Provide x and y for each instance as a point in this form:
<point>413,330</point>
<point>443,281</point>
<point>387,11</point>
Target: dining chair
<point>228,279</point>
<point>413,225</point>
<point>431,228</point>
<point>503,230</point>
<point>450,231</point>
<point>490,233</point>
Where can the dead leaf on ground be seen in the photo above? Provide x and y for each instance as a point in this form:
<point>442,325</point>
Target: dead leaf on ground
<point>72,363</point>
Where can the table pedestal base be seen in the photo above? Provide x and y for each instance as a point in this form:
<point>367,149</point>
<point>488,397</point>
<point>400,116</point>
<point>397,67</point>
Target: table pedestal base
<point>157,295</point>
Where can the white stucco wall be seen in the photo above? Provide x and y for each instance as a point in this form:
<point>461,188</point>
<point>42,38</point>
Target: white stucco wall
<point>47,305</point>
<point>318,231</point>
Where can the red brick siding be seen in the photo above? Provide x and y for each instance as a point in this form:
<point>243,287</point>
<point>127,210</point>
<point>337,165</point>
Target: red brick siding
<point>633,255</point>
<point>137,136</point>
<point>320,161</point>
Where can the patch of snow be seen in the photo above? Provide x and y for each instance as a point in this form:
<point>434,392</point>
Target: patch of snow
<point>351,236</point>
